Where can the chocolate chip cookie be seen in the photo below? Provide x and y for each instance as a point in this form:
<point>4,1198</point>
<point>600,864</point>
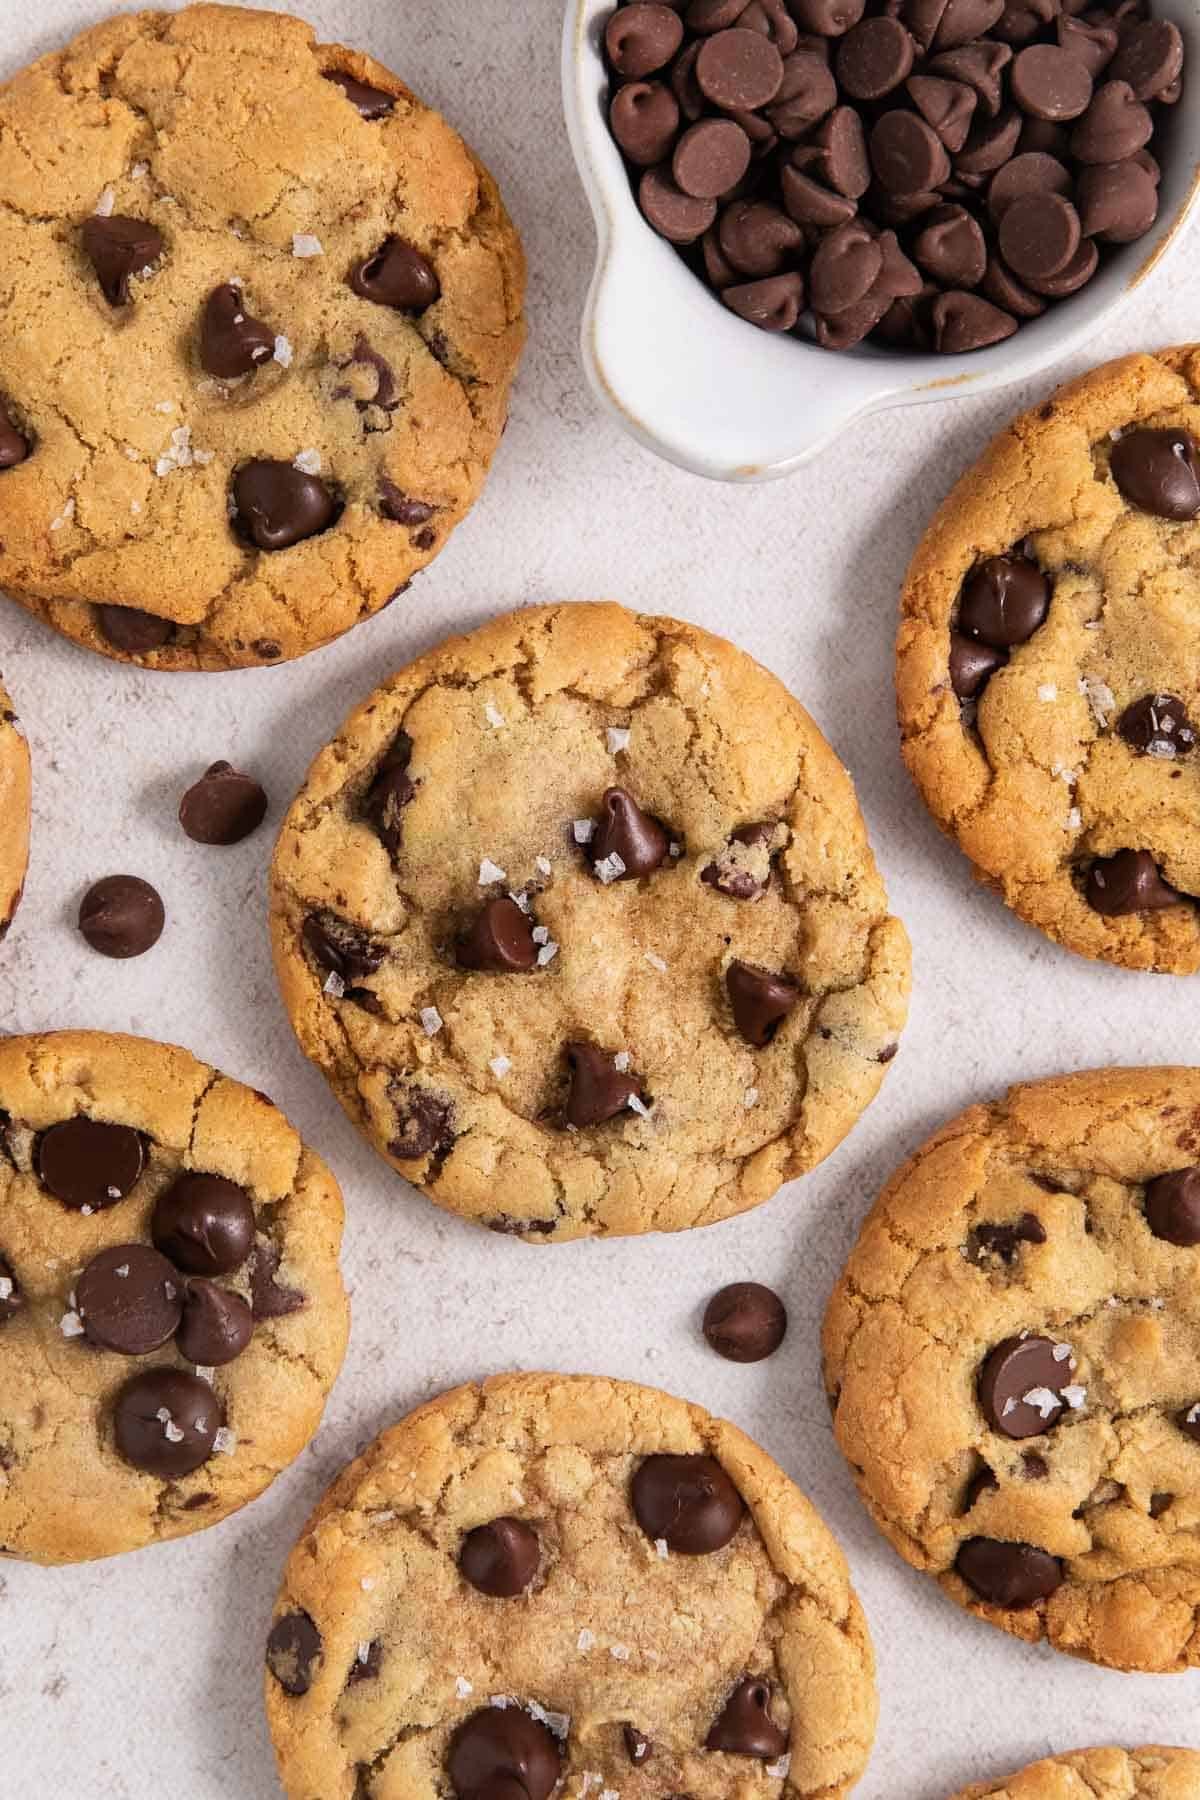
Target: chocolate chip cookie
<point>14,812</point>
<point>1151,1773</point>
<point>553,1579</point>
<point>1013,1360</point>
<point>578,916</point>
<point>262,315</point>
<point>1048,679</point>
<point>171,1313</point>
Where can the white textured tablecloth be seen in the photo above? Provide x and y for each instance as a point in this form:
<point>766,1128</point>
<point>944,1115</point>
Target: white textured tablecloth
<point>140,1677</point>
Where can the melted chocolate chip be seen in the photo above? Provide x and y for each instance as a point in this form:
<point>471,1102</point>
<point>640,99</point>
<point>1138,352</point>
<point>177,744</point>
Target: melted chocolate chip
<point>343,949</point>
<point>1004,600</point>
<point>599,1090</point>
<point>688,1501</point>
<point>424,1123</point>
<point>390,793</point>
<point>501,1558</point>
<point>745,1322</point>
<point>166,1422</point>
<point>1128,882</point>
<point>386,395</point>
<point>223,807</point>
<point>745,1726</point>
<point>1158,725</point>
<point>277,505</point>
<point>1004,1241</point>
<point>293,1647</point>
<point>1013,1576</point>
<point>397,275</point>
<point>638,1747</point>
<point>499,940</point>
<point>371,102</point>
<point>503,1744</point>
<point>1158,470</point>
<point>269,1298</point>
<point>216,1326</point>
<point>402,508</point>
<point>638,841</point>
<point>743,871</point>
<point>761,1001</point>
<point>132,632</point>
<point>122,916</point>
<point>88,1164</point>
<point>204,1223</point>
<point>14,445</point>
<point>1021,1383</point>
<point>972,665</point>
<point>129,1299</point>
<point>120,247</point>
<point>1173,1207</point>
<point>232,343</point>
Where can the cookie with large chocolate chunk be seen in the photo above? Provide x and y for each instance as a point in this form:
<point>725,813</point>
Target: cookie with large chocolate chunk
<point>1047,682</point>
<point>578,916</point>
<point>146,1203</point>
<point>285,308</point>
<point>14,812</point>
<point>1012,1356</point>
<point>521,1553</point>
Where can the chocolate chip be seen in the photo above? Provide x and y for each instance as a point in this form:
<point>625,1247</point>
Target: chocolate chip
<point>269,1298</point>
<point>982,1482</point>
<point>1159,1504</point>
<point>677,216</point>
<point>745,1726</point>
<point>743,870</point>
<point>223,807</point>
<point>1128,882</point>
<point>950,247</point>
<point>738,70</point>
<point>1089,41</point>
<point>640,39</point>
<point>1158,470</point>
<point>843,161</point>
<point>599,1090</point>
<point>710,158</point>
<point>10,1292</point>
<point>122,916</point>
<point>1032,173</point>
<point>165,1422</point>
<point>948,106</point>
<point>990,143</point>
<point>344,949</point>
<point>845,267</point>
<point>807,92</point>
<point>1004,1241</point>
<point>758,239</point>
<point>638,1747</point>
<point>687,1501</point>
<point>1114,126</point>
<point>400,508</point>
<point>745,1322</point>
<point>372,102</point>
<point>14,445</point>
<point>501,1558</point>
<point>267,648</point>
<point>424,1123</point>
<point>504,1745</point>
<point>1150,58</point>
<point>1013,1576</point>
<point>980,67</point>
<point>1188,1422</point>
<point>1173,1207</point>
<point>367,1663</point>
<point>761,1000</point>
<point>827,18</point>
<point>118,248</point>
<point>204,1223</point>
<point>1118,202</point>
<point>277,505</point>
<point>89,1164</point>
<point>397,275</point>
<point>390,792</point>
<point>907,154</point>
<point>874,57</point>
<point>714,15</point>
<point>1001,286</point>
<point>1158,725</point>
<point>293,1647</point>
<point>627,833</point>
<point>773,304</point>
<point>644,118</point>
<point>217,1324</point>
<point>1050,83</point>
<point>972,665</point>
<point>1078,271</point>
<point>963,20</point>
<point>1039,235</point>
<point>498,940</point>
<point>129,1299</point>
<point>232,343</point>
<point>1021,1383</point>
<point>1004,600</point>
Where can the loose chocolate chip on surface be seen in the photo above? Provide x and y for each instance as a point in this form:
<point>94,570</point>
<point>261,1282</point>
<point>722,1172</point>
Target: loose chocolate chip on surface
<point>134,632</point>
<point>625,832</point>
<point>745,1322</point>
<point>424,1123</point>
<point>371,102</point>
<point>232,343</point>
<point>1128,882</point>
<point>1013,1576</point>
<point>745,1726</point>
<point>278,505</point>
<point>1021,1383</point>
<point>1158,470</point>
<point>1004,1241</point>
<point>638,1747</point>
<point>14,445</point>
<point>1173,1207</point>
<point>1004,600</point>
<point>122,916</point>
<point>165,1422</point>
<point>501,1558</point>
<point>293,1647</point>
<point>642,38</point>
<point>344,949</point>
<point>504,1745</point>
<point>397,275</point>
<point>390,792</point>
<point>130,1299</point>
<point>599,1090</point>
<point>688,1501</point>
<point>87,1163</point>
<point>644,117</point>
<point>204,1223</point>
<point>761,1000</point>
<point>10,1292</point>
<point>223,807</point>
<point>269,1298</point>
<point>499,940</point>
<point>972,665</point>
<point>216,1326</point>
<point>119,247</point>
<point>1158,725</point>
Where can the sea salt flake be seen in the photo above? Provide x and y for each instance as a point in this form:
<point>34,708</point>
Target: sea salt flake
<point>1061,1353</point>
<point>139,171</point>
<point>1193,1416</point>
<point>639,1107</point>
<point>334,985</point>
<point>621,1060</point>
<point>367,1584</point>
<point>6,1288</point>
<point>122,1269</point>
<point>1074,819</point>
<point>87,1211</point>
<point>1010,1406</point>
<point>308,462</point>
<point>663,1548</point>
<point>71,1325</point>
<point>544,866</point>
<point>1047,691</point>
<point>165,406</point>
<point>1043,1400</point>
<point>500,1065</point>
<point>541,934</point>
<point>135,506</point>
<point>105,204</point>
<point>462,1687</point>
<point>619,1652</point>
<point>203,457</point>
<point>501,1701</point>
<point>431,1020</point>
<point>750,1098</point>
<point>676,850</point>
<point>610,1794</point>
<point>610,868</point>
<point>1100,698</point>
<point>521,900</point>
<point>558,1723</point>
<point>171,1430</point>
<point>205,1373</point>
<point>114,1193</point>
<point>778,1770</point>
<point>1075,1396</point>
<point>305,244</point>
<point>586,1640</point>
<point>67,513</point>
<point>225,1442</point>
<point>656,962</point>
<point>284,353</point>
<point>547,954</point>
<point>584,830</point>
<point>493,715</point>
<point>364,1650</point>
<point>618,739</point>
<point>489,872</point>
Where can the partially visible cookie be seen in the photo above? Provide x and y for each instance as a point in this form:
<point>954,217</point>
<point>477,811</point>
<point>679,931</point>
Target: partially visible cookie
<point>1152,1773</point>
<point>1048,669</point>
<point>14,812</point>
<point>1013,1360</point>
<point>262,311</point>
<point>171,1313</point>
<point>562,1579</point>
<point>578,916</point>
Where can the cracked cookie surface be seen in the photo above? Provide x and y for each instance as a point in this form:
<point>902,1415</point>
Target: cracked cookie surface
<point>228,137</point>
<point>383,1651</point>
<point>1013,1359</point>
<point>1152,1772</point>
<point>97,1133</point>
<point>658,1039</point>
<point>14,811</point>
<point>1050,740</point>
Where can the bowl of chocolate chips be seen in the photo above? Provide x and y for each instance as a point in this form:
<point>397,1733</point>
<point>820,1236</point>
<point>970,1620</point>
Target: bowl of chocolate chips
<point>808,210</point>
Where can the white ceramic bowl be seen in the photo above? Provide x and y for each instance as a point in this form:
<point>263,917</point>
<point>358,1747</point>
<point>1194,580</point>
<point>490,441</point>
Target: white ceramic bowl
<point>701,387</point>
